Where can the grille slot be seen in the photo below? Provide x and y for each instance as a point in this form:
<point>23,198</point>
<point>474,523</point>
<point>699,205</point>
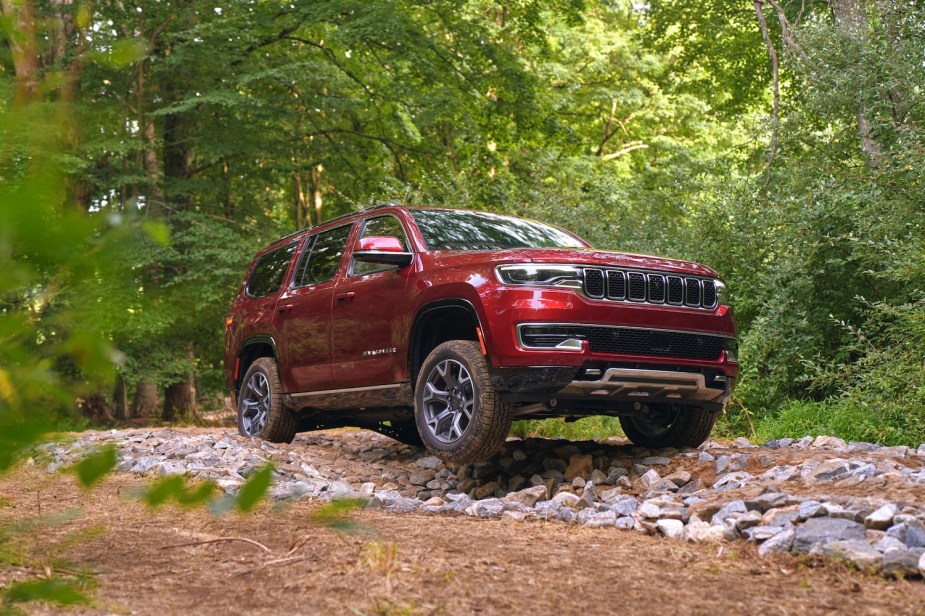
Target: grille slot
<point>656,288</point>
<point>594,283</point>
<point>675,290</point>
<point>653,288</point>
<point>709,293</point>
<point>692,292</point>
<point>637,287</point>
<point>616,285</point>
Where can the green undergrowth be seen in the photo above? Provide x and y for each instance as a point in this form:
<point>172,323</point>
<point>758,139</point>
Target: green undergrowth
<point>585,429</point>
<point>844,419</point>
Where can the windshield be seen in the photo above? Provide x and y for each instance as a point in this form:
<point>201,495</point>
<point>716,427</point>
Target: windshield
<point>460,230</point>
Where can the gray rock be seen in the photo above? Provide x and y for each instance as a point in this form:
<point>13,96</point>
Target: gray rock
<point>902,563</point>
<point>882,518</point>
<point>648,479</point>
<point>648,510</point>
<point>899,451</point>
<point>781,542</point>
<point>785,442</point>
<point>858,552</point>
<point>626,523</point>
<point>699,531</point>
<point>728,511</point>
<point>601,519</point>
<point>830,442</point>
<point>566,499</point>
<point>565,515</point>
<point>428,462</point>
<point>810,509</point>
<point>615,474</point>
<point>555,464</point>
<point>656,461</point>
<point>671,528</point>
<point>761,533</point>
<point>816,533</point>
<point>889,543</point>
<point>487,508</point>
<point>625,507</point>
<point>732,481</point>
<point>781,516</point>
<point>528,496</point>
<point>747,520</point>
<point>679,478</point>
<point>703,456</point>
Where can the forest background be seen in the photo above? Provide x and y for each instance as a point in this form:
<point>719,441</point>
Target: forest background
<point>148,149</point>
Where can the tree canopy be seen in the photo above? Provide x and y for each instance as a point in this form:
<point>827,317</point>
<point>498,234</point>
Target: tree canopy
<point>148,149</point>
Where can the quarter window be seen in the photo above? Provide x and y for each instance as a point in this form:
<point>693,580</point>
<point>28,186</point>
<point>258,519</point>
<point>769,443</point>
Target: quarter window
<point>379,226</point>
<point>321,257</point>
<point>270,270</point>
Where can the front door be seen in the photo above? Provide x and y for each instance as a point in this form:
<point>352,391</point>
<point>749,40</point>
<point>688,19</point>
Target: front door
<point>367,315</point>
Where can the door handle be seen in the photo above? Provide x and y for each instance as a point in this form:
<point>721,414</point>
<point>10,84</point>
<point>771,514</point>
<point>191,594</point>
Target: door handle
<point>285,308</point>
<point>344,297</point>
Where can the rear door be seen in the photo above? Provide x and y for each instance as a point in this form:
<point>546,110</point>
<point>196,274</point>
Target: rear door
<point>303,312</point>
<point>368,313</point>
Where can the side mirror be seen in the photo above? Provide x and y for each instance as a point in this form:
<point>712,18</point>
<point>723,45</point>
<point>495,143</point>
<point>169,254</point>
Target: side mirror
<point>383,249</point>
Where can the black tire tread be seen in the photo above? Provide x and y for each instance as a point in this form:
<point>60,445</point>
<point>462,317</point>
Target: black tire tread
<point>491,423</point>
<point>282,424</point>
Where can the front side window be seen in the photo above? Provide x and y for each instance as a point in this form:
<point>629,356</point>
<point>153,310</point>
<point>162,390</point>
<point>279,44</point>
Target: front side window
<point>460,230</point>
<point>321,257</point>
<point>270,270</point>
<point>380,226</point>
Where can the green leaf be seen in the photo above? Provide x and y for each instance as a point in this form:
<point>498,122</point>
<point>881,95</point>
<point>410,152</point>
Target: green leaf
<point>254,489</point>
<point>335,514</point>
<point>94,467</point>
<point>56,591</point>
<point>157,231</point>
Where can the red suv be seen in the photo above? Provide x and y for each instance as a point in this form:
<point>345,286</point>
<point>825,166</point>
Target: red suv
<point>441,326</point>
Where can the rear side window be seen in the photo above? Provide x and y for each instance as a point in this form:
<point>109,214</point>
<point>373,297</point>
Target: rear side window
<point>321,259</point>
<point>270,270</point>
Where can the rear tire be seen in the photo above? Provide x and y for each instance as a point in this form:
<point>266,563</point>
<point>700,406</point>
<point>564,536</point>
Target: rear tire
<point>459,415</point>
<point>261,413</point>
<point>669,426</point>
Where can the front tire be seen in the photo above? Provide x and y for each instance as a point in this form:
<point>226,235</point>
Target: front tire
<point>669,426</point>
<point>261,413</point>
<point>459,415</point>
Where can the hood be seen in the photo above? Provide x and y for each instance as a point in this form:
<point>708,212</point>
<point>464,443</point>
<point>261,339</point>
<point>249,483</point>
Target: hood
<point>579,256</point>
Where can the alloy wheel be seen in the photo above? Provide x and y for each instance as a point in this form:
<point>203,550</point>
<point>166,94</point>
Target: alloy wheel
<point>256,402</point>
<point>449,401</point>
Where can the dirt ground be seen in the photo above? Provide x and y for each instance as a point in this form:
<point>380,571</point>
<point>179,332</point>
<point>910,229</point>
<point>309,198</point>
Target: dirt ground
<point>278,560</point>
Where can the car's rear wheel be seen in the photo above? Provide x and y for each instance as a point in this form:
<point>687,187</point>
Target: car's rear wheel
<point>261,412</point>
<point>669,425</point>
<point>460,417</point>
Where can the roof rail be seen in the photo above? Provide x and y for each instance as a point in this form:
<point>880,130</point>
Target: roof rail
<point>377,206</point>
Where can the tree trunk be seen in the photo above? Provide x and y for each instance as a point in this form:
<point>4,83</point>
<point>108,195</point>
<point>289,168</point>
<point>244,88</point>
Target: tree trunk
<point>97,409</point>
<point>180,401</point>
<point>23,49</point>
<point>145,401</point>
<point>120,400</point>
<point>316,191</point>
<point>851,17</point>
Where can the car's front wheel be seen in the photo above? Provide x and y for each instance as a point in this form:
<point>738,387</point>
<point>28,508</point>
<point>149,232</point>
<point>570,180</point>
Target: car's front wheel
<point>669,425</point>
<point>460,417</point>
<point>261,412</point>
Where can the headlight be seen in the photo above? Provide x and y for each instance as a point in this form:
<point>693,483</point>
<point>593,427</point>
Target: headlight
<point>722,295</point>
<point>540,275</point>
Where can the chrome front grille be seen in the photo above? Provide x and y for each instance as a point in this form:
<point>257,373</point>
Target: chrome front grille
<point>651,288</point>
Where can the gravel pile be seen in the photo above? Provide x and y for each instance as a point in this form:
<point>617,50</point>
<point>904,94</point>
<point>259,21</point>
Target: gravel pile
<point>857,501</point>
